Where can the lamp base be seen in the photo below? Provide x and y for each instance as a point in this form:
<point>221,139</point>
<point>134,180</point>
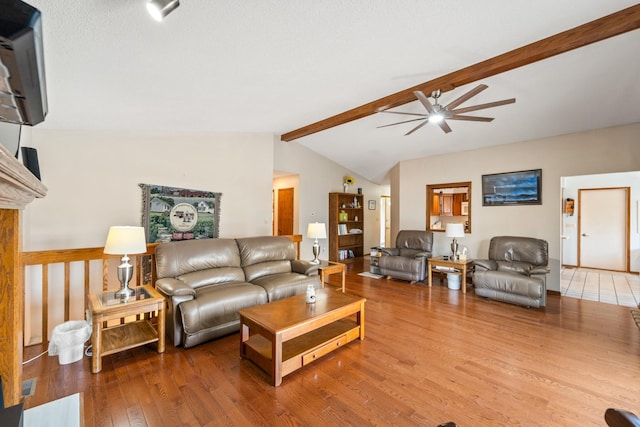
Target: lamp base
<point>316,252</point>
<point>454,250</point>
<point>125,292</point>
<point>125,272</point>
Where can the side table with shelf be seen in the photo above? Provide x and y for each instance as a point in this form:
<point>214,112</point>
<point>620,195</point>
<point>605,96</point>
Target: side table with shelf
<point>146,306</point>
<point>374,260</point>
<point>458,266</point>
<point>329,267</point>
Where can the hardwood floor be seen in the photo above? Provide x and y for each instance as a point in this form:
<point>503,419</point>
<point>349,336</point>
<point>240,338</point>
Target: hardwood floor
<point>429,356</point>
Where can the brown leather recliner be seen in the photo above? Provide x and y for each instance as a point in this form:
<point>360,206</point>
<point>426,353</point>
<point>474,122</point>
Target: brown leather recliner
<point>515,271</point>
<point>408,260</point>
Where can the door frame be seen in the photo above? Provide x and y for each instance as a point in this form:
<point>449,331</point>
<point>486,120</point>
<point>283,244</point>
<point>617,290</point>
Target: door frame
<point>627,226</point>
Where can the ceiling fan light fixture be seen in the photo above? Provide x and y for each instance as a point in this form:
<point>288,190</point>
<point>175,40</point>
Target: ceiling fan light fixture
<point>436,117</point>
<point>159,9</point>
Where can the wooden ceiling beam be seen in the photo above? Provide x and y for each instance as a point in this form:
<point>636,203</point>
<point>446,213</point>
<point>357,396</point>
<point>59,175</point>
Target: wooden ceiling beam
<point>592,32</point>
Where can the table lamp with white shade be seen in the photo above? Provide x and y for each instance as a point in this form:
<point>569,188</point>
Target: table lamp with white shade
<point>316,230</point>
<point>125,241</point>
<point>454,230</point>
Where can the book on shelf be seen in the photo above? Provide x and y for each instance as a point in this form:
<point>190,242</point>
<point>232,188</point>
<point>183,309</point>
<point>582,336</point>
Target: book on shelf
<point>345,254</point>
<point>342,229</point>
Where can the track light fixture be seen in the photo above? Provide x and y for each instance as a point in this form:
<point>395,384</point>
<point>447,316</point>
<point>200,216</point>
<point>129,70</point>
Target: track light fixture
<point>159,9</point>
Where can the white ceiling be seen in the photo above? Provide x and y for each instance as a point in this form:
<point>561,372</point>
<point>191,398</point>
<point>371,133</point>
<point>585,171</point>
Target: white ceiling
<point>275,66</point>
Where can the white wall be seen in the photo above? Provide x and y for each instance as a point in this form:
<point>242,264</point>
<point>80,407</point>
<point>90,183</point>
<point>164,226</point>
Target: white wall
<point>318,176</point>
<point>93,180</point>
<point>570,223</point>
<point>601,151</point>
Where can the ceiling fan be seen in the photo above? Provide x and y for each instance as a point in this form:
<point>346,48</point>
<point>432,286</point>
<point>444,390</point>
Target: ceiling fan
<point>437,113</point>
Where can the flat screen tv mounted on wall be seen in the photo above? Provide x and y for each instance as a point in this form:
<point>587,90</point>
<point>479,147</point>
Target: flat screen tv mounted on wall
<point>512,188</point>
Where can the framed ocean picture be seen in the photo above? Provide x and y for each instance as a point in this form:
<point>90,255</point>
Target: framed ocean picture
<point>512,188</point>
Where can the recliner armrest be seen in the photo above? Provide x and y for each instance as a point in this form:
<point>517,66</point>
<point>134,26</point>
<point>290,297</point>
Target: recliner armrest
<point>390,251</point>
<point>485,264</point>
<point>540,270</point>
<point>304,267</point>
<point>174,287</point>
<point>423,255</point>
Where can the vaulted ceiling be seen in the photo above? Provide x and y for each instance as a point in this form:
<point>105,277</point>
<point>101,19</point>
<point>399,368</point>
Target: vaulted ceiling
<point>279,66</point>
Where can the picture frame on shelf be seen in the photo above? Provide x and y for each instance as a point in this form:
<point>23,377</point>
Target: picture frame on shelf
<point>372,205</point>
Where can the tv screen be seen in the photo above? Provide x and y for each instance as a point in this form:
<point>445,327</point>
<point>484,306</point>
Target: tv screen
<point>10,137</point>
<point>512,188</point>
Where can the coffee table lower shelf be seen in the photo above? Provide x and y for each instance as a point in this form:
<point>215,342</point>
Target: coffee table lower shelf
<point>300,351</point>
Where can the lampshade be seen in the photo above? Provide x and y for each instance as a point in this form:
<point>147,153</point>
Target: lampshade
<point>455,230</point>
<point>159,9</point>
<point>125,240</point>
<point>317,230</point>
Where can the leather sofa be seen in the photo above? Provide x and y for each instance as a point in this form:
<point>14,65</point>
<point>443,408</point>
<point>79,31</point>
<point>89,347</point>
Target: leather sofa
<point>206,282</point>
<point>514,272</point>
<point>408,260</point>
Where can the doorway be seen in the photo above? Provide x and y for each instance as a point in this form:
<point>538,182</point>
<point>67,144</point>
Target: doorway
<point>385,222</point>
<point>285,212</point>
<point>603,228</point>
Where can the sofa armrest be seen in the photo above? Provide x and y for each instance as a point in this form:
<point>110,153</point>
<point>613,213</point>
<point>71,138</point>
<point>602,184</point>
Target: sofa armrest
<point>422,255</point>
<point>390,251</point>
<point>174,287</point>
<point>485,264</point>
<point>304,267</point>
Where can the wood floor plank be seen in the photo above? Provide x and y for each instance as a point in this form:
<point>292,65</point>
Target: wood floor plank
<point>431,355</point>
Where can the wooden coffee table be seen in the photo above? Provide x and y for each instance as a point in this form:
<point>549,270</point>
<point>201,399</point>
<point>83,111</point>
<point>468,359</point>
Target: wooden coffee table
<point>285,335</point>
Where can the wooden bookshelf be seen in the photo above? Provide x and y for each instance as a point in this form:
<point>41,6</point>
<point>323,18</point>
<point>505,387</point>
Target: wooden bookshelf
<point>344,218</point>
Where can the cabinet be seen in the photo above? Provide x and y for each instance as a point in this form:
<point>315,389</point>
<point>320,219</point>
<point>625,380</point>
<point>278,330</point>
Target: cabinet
<point>447,204</point>
<point>346,226</point>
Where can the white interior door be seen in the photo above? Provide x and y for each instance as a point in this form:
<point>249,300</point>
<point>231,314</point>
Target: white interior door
<point>602,221</point>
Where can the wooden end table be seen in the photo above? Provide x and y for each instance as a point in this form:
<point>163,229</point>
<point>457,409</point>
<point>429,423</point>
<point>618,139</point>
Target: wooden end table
<point>285,335</point>
<point>131,333</point>
<point>329,267</point>
<point>460,267</point>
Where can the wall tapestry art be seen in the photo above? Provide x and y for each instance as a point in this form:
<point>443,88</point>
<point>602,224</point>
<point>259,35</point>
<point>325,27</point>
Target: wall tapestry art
<point>170,213</point>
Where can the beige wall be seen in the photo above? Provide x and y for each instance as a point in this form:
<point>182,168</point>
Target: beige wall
<point>93,180</point>
<point>600,151</point>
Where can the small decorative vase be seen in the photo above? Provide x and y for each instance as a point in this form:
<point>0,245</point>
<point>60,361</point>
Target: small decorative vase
<point>310,298</point>
<point>346,187</point>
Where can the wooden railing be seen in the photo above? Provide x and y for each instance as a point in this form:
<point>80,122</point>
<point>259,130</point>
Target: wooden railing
<point>83,258</point>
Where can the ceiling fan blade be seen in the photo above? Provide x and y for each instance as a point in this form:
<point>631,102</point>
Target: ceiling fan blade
<point>470,118</point>
<point>400,112</point>
<point>416,128</point>
<point>473,92</point>
<point>483,106</point>
<point>399,123</point>
<point>425,101</point>
<point>444,126</point>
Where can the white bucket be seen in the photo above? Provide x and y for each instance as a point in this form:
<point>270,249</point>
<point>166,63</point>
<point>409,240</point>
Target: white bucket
<point>67,341</point>
<point>453,281</point>
<point>70,354</point>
